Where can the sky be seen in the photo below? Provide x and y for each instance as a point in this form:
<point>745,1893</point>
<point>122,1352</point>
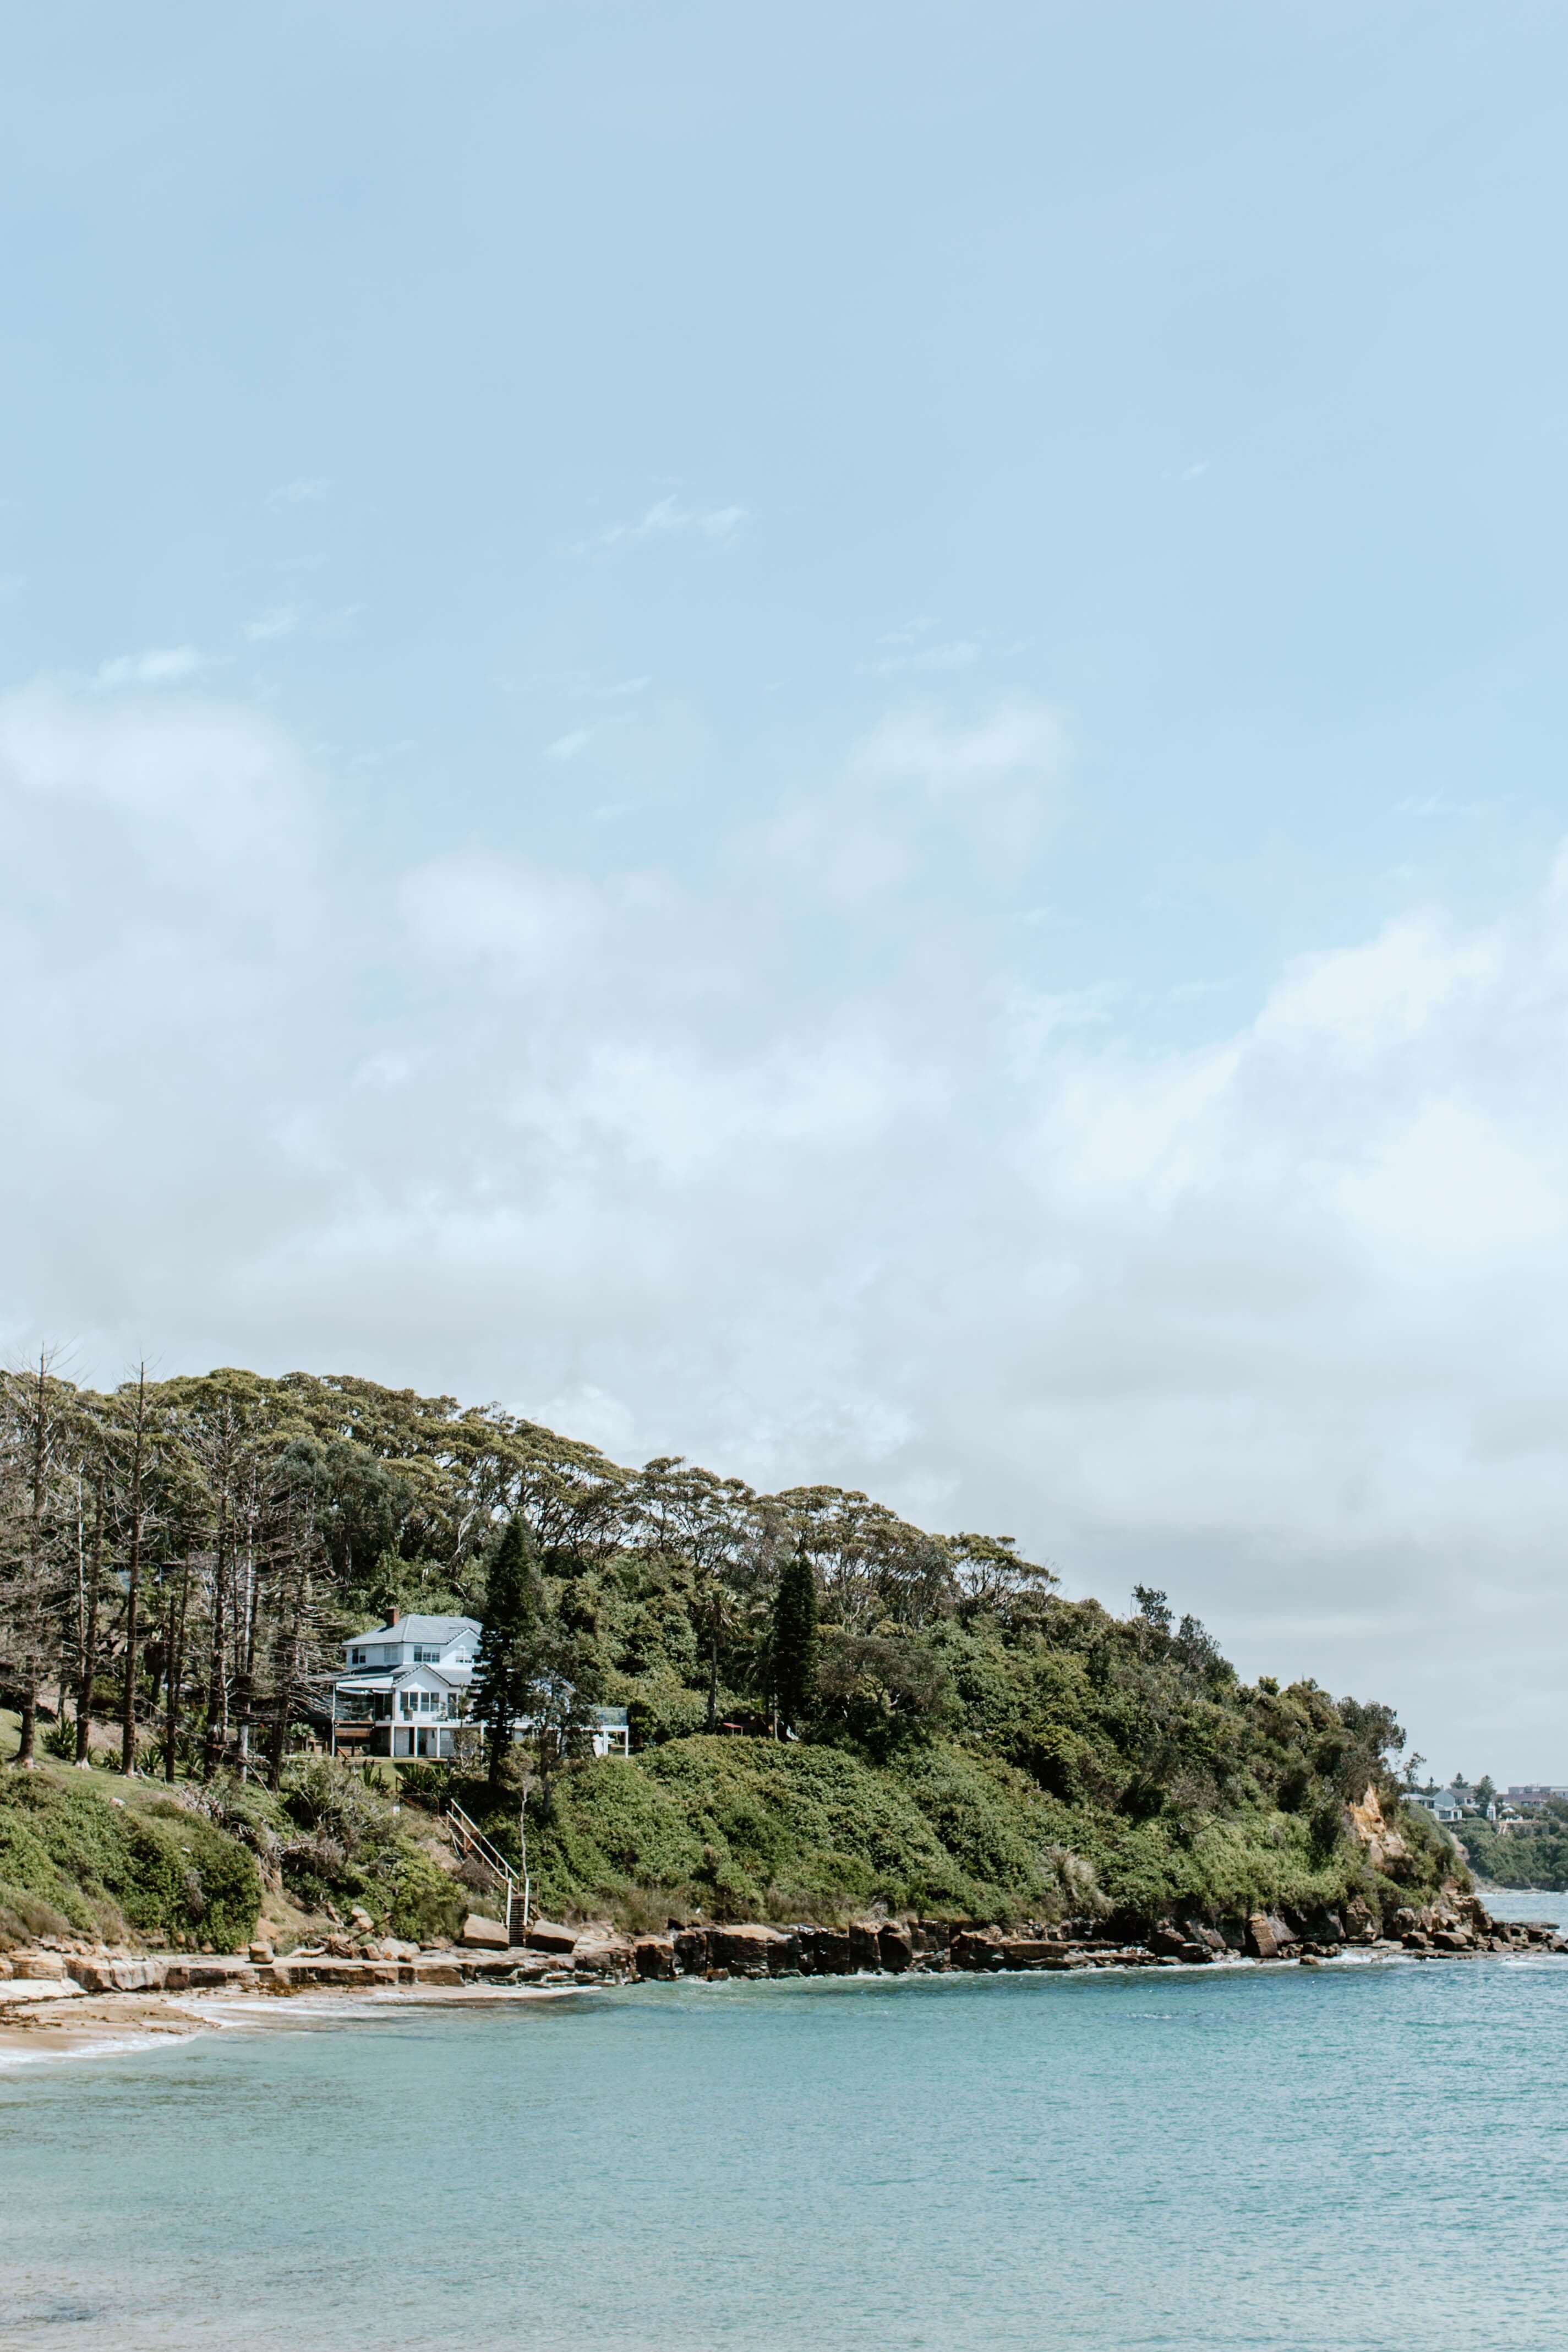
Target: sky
<point>829,738</point>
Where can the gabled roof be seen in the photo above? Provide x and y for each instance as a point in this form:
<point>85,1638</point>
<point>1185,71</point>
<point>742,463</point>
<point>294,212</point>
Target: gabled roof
<point>381,1678</point>
<point>441,1629</point>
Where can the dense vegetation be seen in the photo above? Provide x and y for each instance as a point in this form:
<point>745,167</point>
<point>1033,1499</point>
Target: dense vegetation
<point>182,1558</point>
<point>1533,1854</point>
<point>192,1867</point>
<point>71,1860</point>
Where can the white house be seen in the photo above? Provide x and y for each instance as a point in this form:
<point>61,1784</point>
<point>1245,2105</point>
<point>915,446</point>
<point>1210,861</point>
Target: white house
<point>405,1692</point>
<point>1441,1803</point>
<point>405,1688</point>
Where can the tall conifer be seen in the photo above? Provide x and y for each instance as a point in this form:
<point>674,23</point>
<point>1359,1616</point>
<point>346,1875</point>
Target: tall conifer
<point>795,1639</point>
<point>508,1662</point>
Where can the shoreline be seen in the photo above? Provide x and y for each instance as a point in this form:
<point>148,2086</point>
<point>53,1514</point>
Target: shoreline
<point>125,2024</point>
<point>65,1999</point>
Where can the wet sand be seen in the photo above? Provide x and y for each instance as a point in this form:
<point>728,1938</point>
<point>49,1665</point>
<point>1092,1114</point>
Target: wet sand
<point>97,2023</point>
<point>62,2028</point>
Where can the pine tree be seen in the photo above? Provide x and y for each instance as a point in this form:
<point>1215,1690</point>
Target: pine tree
<point>795,1639</point>
<point>506,1666</point>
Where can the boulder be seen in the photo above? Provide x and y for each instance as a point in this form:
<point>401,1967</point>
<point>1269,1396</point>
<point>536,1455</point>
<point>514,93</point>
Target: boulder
<point>971,1950</point>
<point>655,1957</point>
<point>1267,1936</point>
<point>40,1967</point>
<point>361,1920</point>
<point>1031,1951</point>
<point>824,1951</point>
<point>752,1952</point>
<point>691,1950</point>
<point>478,1933</point>
<point>604,1956</point>
<point>866,1944</point>
<point>121,1975</point>
<point>896,1948</point>
<point>545,1935</point>
<point>261,1952</point>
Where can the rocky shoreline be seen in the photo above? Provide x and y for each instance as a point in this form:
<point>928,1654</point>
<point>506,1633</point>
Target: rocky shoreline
<point>554,1956</point>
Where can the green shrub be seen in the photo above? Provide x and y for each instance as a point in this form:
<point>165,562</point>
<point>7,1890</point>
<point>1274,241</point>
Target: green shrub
<point>146,1863</point>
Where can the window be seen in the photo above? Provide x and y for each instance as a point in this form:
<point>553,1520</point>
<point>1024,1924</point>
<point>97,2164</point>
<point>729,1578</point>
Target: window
<point>427,1657</point>
<point>359,1657</point>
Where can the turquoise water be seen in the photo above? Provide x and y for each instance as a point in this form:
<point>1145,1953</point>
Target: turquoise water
<point>1366,2156</point>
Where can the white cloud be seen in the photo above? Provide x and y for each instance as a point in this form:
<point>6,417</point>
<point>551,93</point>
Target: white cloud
<point>1024,744</point>
<point>668,519</point>
<point>1278,1321</point>
<point>278,621</point>
<point>906,650</point>
<point>164,666</point>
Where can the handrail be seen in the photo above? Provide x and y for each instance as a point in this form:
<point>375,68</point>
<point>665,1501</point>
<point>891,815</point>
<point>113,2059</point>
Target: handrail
<point>470,1834</point>
<point>470,1838</point>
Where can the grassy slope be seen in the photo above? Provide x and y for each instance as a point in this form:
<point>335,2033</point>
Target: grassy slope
<point>89,1853</point>
<point>71,1860</point>
<point>726,1828</point>
<point>740,1828</point>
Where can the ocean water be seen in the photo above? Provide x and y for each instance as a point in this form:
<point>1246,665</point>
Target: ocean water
<point>1342,2160</point>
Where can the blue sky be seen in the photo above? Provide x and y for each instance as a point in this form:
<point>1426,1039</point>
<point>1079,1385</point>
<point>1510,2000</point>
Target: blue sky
<point>832,741</point>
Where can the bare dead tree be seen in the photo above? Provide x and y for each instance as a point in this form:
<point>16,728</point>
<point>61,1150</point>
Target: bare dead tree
<point>87,1652</point>
<point>137,1508</point>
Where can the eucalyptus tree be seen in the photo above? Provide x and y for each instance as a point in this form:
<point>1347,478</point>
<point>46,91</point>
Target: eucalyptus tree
<point>35,1415</point>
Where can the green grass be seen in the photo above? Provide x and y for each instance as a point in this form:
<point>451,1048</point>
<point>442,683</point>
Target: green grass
<point>73,1860</point>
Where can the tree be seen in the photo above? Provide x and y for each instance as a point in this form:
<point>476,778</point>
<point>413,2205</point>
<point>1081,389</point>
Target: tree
<point>26,1581</point>
<point>507,1664</point>
<point>565,1699</point>
<point>87,1647</point>
<point>1154,1609</point>
<point>795,1639</point>
<point>139,1428</point>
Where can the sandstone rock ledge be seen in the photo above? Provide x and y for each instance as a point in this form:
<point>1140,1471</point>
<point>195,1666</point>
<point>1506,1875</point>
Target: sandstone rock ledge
<point>556,1955</point>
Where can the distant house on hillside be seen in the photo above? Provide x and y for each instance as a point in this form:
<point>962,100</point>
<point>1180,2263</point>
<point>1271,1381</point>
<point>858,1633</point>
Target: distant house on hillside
<point>1441,1803</point>
<point>404,1693</point>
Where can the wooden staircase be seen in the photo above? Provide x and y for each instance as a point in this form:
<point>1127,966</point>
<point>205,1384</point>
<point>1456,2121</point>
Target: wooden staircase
<point>470,1845</point>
